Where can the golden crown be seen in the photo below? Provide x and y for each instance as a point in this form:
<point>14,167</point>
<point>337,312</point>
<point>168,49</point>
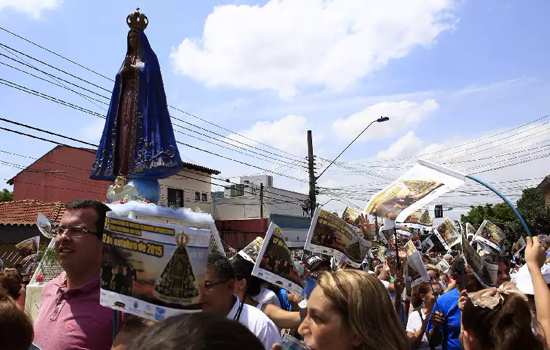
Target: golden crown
<point>137,20</point>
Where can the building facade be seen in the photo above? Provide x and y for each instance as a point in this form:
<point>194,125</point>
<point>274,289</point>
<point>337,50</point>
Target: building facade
<point>255,197</point>
<point>63,175</point>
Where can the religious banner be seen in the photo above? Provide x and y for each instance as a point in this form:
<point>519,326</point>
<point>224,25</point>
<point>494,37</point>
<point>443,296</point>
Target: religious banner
<point>416,271</point>
<point>447,233</point>
<point>274,263</point>
<point>331,235</point>
<point>485,271</point>
<point>490,235</point>
<point>152,269</point>
<point>252,250</point>
<point>412,191</point>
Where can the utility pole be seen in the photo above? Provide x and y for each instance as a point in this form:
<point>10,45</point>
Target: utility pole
<point>261,200</point>
<point>312,177</point>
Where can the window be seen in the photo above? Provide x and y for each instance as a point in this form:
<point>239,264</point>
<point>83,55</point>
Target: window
<point>197,196</point>
<point>205,197</point>
<point>237,190</point>
<point>175,198</point>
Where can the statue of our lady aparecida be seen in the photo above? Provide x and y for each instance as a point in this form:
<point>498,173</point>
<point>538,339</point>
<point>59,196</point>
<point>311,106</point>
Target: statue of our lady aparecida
<point>137,146</point>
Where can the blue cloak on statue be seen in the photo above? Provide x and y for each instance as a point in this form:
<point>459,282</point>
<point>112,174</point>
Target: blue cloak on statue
<point>152,152</point>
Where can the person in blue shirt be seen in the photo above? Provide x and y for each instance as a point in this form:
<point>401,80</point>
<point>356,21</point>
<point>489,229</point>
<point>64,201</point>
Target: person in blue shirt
<point>444,326</point>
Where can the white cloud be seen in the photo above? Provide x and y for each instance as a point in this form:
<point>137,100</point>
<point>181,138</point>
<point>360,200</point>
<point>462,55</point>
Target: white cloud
<point>403,115</point>
<point>33,8</point>
<point>287,44</point>
<point>287,133</point>
<point>406,146</point>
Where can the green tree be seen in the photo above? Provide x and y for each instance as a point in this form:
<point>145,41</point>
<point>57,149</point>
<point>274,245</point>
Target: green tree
<point>530,205</point>
<point>6,195</point>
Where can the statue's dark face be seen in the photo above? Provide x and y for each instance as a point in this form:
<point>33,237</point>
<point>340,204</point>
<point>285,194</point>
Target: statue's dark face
<point>133,41</point>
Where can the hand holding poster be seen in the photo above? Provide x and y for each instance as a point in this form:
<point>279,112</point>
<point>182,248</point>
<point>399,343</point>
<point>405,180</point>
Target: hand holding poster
<point>447,233</point>
<point>490,235</point>
<point>328,234</point>
<point>413,190</point>
<point>152,269</point>
<point>416,270</point>
<point>274,263</point>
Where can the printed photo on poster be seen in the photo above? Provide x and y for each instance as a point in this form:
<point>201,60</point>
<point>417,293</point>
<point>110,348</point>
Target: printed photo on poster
<point>252,250</point>
<point>412,191</point>
<point>331,235</point>
<point>427,244</point>
<point>274,263</point>
<point>151,269</point>
<point>491,235</point>
<point>485,272</point>
<point>416,271</point>
<point>518,246</point>
<point>448,234</point>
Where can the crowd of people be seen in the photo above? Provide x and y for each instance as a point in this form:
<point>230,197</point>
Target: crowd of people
<point>341,308</point>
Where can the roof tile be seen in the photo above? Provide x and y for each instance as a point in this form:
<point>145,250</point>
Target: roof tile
<point>24,212</point>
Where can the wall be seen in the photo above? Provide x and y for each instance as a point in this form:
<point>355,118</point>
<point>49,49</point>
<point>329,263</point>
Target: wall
<point>63,174</point>
<point>189,187</point>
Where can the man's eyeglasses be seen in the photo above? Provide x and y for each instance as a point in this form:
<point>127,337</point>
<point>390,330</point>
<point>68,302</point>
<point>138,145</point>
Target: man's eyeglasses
<point>210,284</point>
<point>71,231</point>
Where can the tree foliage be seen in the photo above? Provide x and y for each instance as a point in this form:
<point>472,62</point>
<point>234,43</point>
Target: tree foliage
<point>6,195</point>
<point>530,205</point>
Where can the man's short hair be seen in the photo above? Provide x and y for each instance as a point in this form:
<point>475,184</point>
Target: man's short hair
<point>100,209</point>
<point>221,266</point>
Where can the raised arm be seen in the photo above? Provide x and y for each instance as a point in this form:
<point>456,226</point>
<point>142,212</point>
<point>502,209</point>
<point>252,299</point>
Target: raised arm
<point>535,255</point>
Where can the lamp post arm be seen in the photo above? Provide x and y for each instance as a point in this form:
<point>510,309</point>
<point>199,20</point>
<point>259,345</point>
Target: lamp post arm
<point>338,156</point>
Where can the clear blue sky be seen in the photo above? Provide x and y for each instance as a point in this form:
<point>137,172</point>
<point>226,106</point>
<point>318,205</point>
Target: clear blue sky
<point>447,70</point>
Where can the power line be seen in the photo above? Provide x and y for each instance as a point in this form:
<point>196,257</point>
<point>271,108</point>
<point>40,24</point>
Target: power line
<point>55,53</point>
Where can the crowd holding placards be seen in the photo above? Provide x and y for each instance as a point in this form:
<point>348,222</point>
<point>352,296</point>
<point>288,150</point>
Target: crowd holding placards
<point>402,300</point>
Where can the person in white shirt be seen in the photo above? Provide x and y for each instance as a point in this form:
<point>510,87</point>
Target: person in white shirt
<point>423,300</point>
<point>216,296</point>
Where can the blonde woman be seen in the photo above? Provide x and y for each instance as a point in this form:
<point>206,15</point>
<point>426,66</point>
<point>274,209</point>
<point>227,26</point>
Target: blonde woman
<point>350,309</point>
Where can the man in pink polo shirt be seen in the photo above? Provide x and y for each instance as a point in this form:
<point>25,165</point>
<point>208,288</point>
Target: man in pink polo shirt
<point>70,316</point>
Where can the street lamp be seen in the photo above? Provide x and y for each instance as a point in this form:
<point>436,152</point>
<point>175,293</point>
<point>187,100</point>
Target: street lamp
<point>379,120</point>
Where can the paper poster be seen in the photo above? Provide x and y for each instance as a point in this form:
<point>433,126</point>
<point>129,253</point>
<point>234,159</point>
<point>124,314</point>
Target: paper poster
<point>447,233</point>
<point>416,271</point>
<point>331,235</point>
<point>412,191</point>
<point>274,263</point>
<point>215,240</point>
<point>443,265</point>
<point>485,272</point>
<point>252,250</point>
<point>152,269</point>
<point>351,215</point>
<point>518,246</point>
<point>491,235</point>
<point>470,230</point>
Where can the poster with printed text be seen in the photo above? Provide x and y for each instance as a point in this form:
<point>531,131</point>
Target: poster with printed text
<point>331,235</point>
<point>251,251</point>
<point>412,191</point>
<point>274,263</point>
<point>150,269</point>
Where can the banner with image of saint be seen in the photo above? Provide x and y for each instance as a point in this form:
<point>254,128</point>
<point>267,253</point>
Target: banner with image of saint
<point>412,191</point>
<point>152,269</point>
<point>489,234</point>
<point>447,233</point>
<point>331,235</point>
<point>274,262</point>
